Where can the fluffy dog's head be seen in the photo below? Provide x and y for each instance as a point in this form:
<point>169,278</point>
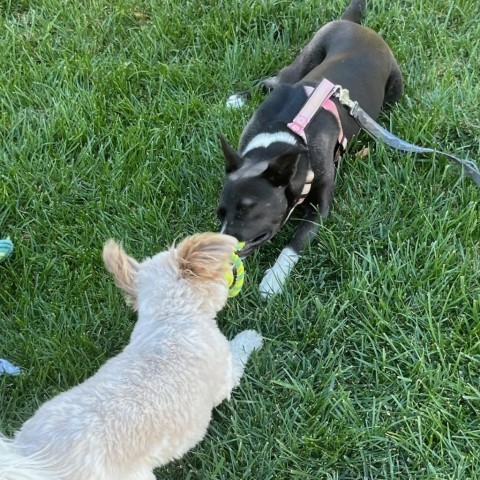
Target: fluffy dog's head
<point>259,191</point>
<point>192,273</point>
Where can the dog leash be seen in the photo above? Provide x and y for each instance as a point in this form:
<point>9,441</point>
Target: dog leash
<point>368,124</point>
<point>319,97</point>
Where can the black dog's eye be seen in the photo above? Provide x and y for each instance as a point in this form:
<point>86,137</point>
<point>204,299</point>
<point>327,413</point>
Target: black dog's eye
<point>221,213</point>
<point>245,206</point>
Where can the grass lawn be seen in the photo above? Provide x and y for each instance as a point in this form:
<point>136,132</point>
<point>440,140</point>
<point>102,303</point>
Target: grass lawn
<point>109,113</point>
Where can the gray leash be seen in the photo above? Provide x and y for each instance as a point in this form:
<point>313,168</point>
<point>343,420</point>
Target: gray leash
<point>379,133</point>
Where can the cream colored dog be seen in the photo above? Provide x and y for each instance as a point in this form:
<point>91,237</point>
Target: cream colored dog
<point>151,403</point>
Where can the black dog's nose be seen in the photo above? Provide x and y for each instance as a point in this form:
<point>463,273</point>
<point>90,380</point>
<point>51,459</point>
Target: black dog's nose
<point>234,232</point>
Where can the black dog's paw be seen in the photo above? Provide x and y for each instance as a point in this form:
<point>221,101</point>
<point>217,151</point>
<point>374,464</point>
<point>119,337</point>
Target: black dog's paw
<point>269,84</point>
<point>238,100</point>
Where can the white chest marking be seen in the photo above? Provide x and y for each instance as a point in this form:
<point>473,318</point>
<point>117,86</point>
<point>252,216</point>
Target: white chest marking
<point>263,140</point>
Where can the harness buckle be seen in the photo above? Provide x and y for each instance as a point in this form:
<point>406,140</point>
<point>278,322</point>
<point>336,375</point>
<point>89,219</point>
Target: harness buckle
<point>343,96</point>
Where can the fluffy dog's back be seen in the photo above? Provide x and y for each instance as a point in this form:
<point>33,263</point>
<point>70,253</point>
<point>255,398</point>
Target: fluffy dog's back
<point>153,399</point>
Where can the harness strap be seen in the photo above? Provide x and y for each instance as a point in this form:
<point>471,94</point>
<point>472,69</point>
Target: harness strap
<point>306,187</point>
<point>318,98</point>
<point>331,107</point>
<point>303,195</point>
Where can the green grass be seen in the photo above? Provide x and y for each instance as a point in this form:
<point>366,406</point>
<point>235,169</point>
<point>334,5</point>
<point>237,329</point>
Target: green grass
<point>108,128</point>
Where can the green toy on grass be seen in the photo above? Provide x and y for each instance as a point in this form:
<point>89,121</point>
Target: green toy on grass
<point>236,275</point>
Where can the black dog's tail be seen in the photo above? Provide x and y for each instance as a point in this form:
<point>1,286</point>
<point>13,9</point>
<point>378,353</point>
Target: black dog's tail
<point>354,12</point>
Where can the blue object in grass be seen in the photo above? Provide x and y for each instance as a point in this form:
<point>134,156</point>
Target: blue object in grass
<point>6,248</point>
<point>8,368</point>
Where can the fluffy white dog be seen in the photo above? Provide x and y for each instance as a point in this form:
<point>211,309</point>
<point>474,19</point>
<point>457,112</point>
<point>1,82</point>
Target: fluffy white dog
<point>152,402</point>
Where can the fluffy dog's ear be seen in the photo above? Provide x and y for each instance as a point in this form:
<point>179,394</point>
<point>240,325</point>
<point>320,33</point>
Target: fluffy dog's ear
<point>123,268</point>
<point>233,160</point>
<point>205,256</point>
<point>281,169</point>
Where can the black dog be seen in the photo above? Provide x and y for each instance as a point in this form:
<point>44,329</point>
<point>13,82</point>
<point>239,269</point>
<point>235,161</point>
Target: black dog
<point>277,159</point>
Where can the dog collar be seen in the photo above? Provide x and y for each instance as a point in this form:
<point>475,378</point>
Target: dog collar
<point>318,98</point>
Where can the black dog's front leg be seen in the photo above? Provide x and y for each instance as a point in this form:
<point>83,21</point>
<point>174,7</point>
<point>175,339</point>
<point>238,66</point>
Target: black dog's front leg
<point>306,231</point>
<point>321,154</point>
<point>275,277</point>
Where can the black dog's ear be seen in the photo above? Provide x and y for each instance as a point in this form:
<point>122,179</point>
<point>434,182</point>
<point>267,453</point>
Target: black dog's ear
<point>232,158</point>
<point>281,169</point>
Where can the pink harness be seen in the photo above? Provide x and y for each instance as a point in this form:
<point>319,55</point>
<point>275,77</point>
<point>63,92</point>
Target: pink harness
<point>318,98</point>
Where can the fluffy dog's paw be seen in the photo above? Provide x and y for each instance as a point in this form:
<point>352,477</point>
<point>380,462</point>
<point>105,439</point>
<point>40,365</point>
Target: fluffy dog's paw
<point>246,342</point>
<point>242,347</point>
<point>238,100</point>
